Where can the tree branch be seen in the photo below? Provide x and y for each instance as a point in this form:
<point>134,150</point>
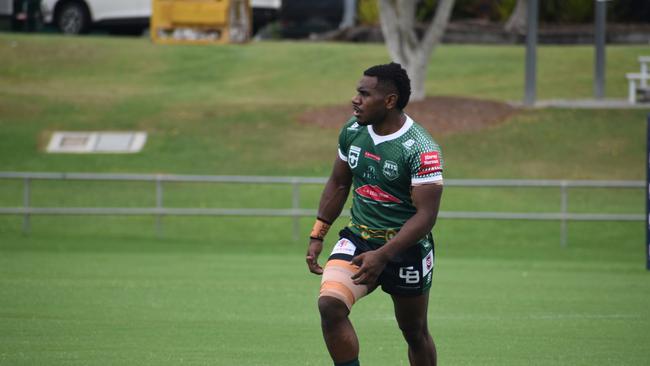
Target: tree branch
<point>406,19</point>
<point>390,29</point>
<point>398,27</point>
<point>436,29</point>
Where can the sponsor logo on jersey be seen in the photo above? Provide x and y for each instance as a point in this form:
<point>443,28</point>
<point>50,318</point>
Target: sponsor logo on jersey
<point>427,263</point>
<point>354,126</point>
<point>410,275</point>
<point>344,246</point>
<point>390,170</point>
<point>375,193</point>
<point>429,163</point>
<point>370,173</point>
<point>409,143</point>
<point>372,156</point>
<point>353,156</point>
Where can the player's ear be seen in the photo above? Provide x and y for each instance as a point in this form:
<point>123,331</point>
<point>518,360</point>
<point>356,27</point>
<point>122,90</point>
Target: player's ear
<point>391,101</point>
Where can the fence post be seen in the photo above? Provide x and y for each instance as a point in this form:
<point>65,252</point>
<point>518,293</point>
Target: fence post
<point>295,205</point>
<point>26,204</point>
<point>600,44</point>
<point>530,79</point>
<point>647,196</point>
<point>563,209</point>
<point>159,205</point>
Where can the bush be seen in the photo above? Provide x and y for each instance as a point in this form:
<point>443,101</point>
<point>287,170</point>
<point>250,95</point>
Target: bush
<point>550,11</point>
<point>368,12</point>
<point>566,11</point>
<point>629,11</point>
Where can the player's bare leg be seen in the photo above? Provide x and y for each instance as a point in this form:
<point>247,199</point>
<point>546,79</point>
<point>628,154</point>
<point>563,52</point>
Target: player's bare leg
<point>340,337</point>
<point>411,315</point>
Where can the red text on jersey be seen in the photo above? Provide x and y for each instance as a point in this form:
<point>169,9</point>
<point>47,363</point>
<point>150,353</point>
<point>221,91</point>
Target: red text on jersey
<point>376,194</point>
<point>372,156</point>
<point>429,163</point>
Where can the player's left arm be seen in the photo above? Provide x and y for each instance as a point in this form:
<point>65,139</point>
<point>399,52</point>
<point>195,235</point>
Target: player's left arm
<point>426,199</point>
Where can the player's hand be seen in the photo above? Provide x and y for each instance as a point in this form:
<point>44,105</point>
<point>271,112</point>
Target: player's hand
<point>315,247</point>
<point>371,264</point>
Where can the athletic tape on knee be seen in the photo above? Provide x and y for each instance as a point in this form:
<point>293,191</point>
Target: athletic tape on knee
<point>337,282</point>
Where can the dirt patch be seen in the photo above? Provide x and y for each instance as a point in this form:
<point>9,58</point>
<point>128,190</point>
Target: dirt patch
<point>440,115</point>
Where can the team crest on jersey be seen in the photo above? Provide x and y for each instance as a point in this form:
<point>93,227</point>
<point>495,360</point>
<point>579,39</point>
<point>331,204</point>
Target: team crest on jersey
<point>390,170</point>
<point>353,156</point>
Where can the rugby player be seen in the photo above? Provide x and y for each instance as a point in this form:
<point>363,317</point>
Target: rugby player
<point>394,168</point>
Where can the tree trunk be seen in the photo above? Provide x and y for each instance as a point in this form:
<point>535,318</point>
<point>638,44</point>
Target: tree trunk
<point>349,14</point>
<point>517,21</point>
<point>404,47</point>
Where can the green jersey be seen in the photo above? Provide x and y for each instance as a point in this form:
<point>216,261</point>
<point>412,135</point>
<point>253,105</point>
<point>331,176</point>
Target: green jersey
<point>384,168</point>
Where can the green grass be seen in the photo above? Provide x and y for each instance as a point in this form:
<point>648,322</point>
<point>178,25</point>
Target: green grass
<point>564,72</point>
<point>194,297</point>
<point>86,290</point>
<point>232,109</point>
<point>554,144</point>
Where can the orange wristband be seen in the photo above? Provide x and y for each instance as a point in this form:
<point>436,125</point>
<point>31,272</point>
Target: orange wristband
<point>319,230</point>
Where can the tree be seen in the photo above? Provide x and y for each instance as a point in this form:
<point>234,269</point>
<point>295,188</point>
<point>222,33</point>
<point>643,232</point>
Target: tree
<point>398,21</point>
<point>517,21</point>
<point>349,14</point>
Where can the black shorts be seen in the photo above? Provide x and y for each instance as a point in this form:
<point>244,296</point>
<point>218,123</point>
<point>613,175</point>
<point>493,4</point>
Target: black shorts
<point>408,274</point>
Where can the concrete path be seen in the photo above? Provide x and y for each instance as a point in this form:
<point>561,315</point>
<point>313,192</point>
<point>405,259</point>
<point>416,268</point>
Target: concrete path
<point>585,103</point>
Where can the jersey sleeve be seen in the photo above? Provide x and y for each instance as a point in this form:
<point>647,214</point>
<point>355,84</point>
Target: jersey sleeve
<point>342,147</point>
<point>344,141</point>
<point>426,164</point>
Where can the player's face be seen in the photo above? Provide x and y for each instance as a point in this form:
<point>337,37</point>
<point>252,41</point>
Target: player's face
<point>369,105</point>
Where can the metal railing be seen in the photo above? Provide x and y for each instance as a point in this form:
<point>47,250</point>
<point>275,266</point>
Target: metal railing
<point>27,210</point>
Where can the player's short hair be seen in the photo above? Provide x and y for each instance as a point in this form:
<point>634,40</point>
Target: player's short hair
<point>393,75</point>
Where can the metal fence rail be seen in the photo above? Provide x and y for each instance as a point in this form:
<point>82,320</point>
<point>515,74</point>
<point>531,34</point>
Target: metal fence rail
<point>295,211</point>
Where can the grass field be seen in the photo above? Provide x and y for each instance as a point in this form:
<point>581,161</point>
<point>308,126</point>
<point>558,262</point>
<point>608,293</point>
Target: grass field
<point>224,291</point>
<point>116,296</point>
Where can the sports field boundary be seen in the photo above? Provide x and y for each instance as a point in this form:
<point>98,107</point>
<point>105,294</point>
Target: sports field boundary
<point>296,212</point>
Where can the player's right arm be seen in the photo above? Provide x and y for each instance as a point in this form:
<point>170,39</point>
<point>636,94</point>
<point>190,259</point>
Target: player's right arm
<point>331,204</point>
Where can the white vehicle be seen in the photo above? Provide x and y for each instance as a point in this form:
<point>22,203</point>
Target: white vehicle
<point>6,8</point>
<point>79,16</point>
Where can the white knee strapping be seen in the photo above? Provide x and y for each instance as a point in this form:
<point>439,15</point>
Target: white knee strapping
<point>337,282</point>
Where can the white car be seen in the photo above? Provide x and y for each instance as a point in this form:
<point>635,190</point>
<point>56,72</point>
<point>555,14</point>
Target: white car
<point>79,16</point>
